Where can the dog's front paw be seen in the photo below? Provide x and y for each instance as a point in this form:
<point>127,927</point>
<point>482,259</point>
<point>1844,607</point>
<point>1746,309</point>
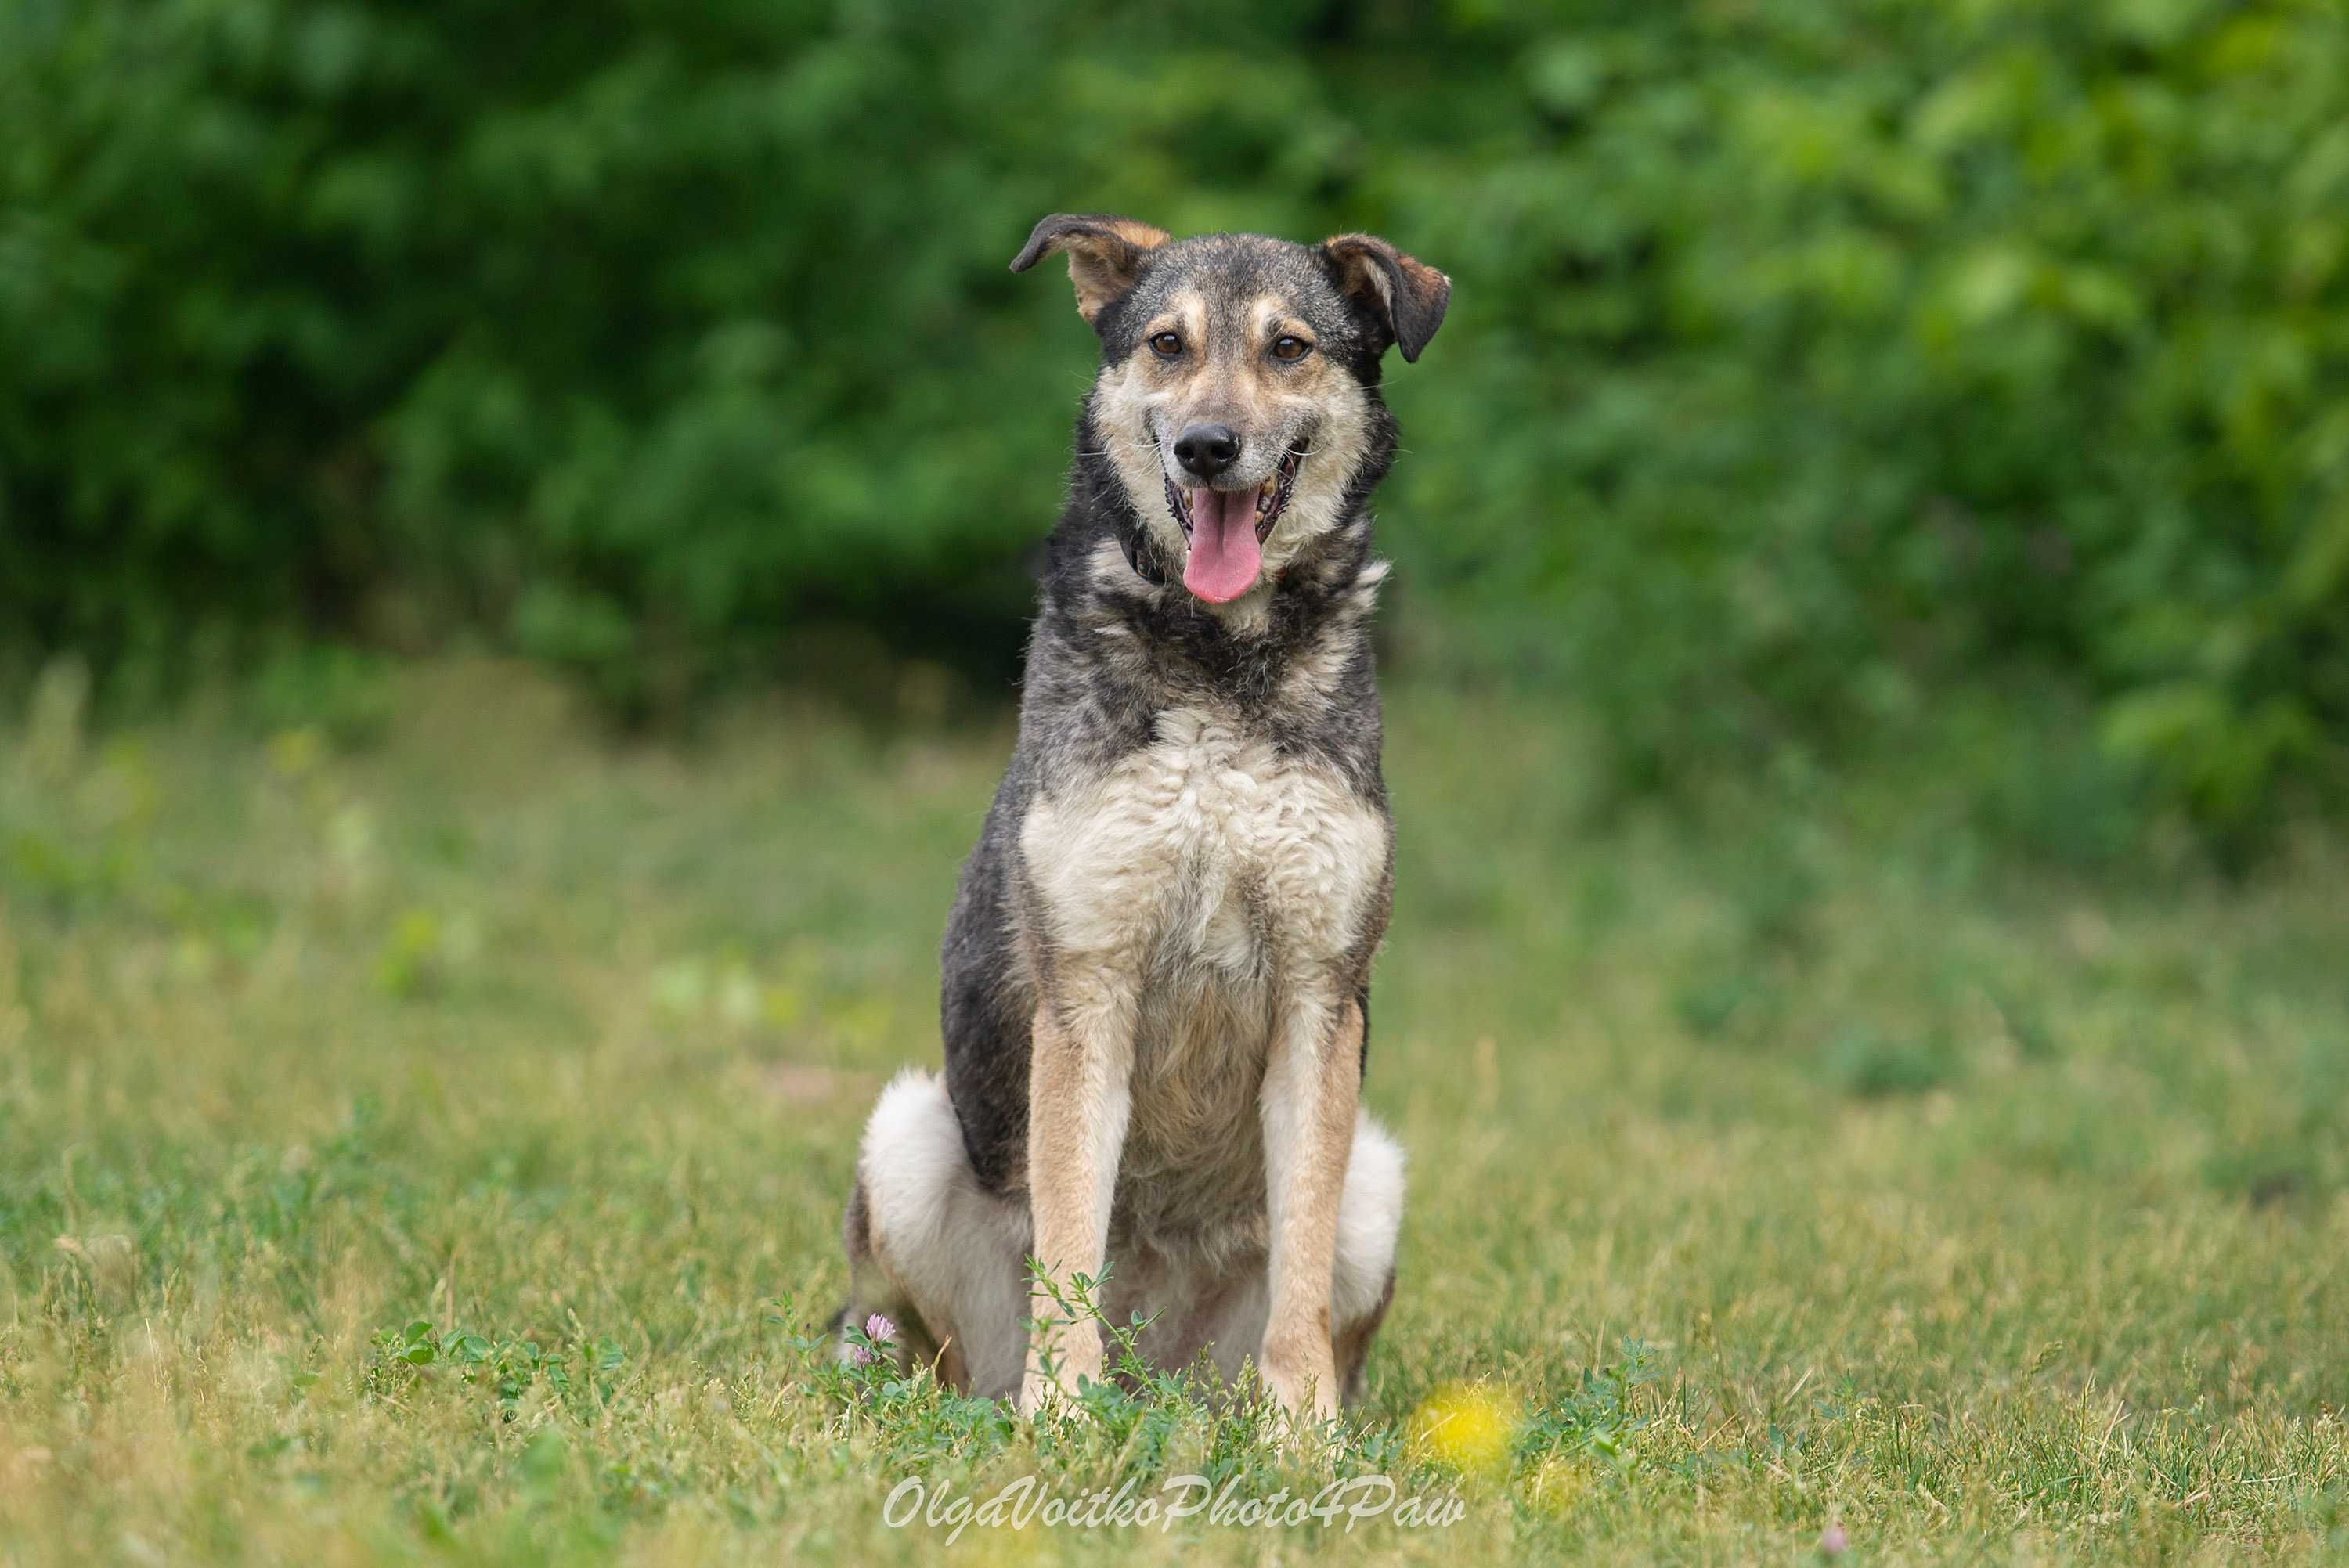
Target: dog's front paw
<point>1038,1393</point>
<point>1073,1353</point>
<point>1303,1383</point>
<point>1304,1408</point>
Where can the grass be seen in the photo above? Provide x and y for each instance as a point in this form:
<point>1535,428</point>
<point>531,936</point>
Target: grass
<point>432,1151</point>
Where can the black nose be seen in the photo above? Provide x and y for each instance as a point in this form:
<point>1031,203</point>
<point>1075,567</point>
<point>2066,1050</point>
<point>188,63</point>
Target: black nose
<point>1206,450</point>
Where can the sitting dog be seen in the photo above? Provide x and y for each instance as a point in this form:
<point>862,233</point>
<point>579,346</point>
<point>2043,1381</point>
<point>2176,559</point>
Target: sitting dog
<point>1156,972</point>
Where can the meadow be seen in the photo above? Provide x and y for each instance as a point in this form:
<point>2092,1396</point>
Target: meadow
<point>423,1139</point>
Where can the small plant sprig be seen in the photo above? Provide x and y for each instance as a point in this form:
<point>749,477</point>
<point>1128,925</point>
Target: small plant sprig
<point>1130,1374</point>
<point>508,1366</point>
<point>1597,1417</point>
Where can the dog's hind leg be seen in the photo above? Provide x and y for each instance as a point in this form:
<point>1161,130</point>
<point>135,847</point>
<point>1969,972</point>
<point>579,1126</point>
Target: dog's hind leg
<point>1362,1281</point>
<point>932,1250</point>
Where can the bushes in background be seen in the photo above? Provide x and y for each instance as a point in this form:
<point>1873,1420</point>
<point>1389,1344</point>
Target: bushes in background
<point>1811,361</point>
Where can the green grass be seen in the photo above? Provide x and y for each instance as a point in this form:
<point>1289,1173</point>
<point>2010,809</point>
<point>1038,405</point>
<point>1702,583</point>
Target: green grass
<point>1804,1159</point>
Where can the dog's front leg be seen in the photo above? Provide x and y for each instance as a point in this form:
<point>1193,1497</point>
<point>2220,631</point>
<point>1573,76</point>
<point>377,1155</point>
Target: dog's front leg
<point>1310,1089</point>
<point>1079,1095</point>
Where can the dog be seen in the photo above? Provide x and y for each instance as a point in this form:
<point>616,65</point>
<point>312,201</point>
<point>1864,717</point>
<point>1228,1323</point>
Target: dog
<point>1155,976</point>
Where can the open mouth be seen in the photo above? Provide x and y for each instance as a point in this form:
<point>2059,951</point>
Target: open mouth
<point>1227,529</point>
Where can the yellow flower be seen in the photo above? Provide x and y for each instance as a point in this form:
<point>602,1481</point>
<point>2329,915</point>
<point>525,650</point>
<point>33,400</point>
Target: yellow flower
<point>1466,1426</point>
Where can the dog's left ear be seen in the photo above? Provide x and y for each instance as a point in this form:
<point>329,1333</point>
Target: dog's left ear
<point>1408,292</point>
<point>1105,254</point>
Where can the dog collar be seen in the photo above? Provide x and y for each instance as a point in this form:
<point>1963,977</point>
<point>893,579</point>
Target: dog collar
<point>1145,566</point>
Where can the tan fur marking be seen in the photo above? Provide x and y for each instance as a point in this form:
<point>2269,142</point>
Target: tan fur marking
<point>1191,311</point>
<point>1186,316</point>
<point>1077,1102</point>
<point>1270,318</point>
<point>1311,1091</point>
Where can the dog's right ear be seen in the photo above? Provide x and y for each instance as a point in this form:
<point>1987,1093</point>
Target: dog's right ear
<point>1105,254</point>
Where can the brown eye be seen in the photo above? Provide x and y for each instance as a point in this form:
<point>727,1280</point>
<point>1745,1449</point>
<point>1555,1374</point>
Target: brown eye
<point>1166,345</point>
<point>1287,347</point>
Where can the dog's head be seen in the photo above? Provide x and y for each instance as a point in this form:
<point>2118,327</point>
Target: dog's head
<point>1237,398</point>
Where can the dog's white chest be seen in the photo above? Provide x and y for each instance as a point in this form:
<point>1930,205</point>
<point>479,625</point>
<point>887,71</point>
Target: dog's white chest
<point>1208,847</point>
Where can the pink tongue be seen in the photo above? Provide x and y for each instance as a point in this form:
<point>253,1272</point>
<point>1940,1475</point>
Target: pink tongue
<point>1225,554</point>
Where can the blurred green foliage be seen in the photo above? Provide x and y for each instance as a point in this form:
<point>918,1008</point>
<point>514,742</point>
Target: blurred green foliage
<point>1811,361</point>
